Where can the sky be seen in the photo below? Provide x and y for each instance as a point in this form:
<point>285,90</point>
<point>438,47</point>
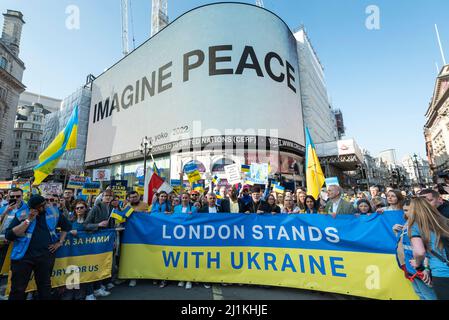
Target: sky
<point>381,79</point>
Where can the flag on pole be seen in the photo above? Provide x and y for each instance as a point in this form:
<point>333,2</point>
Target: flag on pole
<point>314,173</point>
<point>216,180</point>
<point>155,169</point>
<point>278,188</point>
<point>49,158</point>
<point>154,181</point>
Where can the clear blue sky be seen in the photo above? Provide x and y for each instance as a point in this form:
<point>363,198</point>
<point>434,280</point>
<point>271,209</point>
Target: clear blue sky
<point>382,80</point>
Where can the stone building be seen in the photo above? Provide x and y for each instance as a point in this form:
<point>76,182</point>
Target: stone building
<point>11,86</point>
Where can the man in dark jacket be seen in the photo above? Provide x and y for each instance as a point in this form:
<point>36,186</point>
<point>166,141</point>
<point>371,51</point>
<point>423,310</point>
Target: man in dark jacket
<point>256,205</point>
<point>37,254</point>
<point>237,205</point>
<point>98,216</point>
<point>212,206</point>
<point>435,199</point>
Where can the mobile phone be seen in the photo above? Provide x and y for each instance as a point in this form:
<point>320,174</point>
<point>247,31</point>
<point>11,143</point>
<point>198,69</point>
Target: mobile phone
<point>12,202</point>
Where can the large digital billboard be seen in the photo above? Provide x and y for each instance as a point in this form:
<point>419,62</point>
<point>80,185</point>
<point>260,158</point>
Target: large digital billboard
<point>225,70</point>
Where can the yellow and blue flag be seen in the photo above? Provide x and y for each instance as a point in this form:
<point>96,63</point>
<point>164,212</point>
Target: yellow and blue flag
<point>216,180</point>
<point>278,188</point>
<point>49,158</point>
<point>122,215</point>
<point>245,168</point>
<point>156,170</point>
<point>314,173</point>
<point>198,187</point>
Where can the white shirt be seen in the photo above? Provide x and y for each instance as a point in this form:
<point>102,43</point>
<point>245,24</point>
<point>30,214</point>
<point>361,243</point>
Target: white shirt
<point>184,209</point>
<point>335,205</point>
<point>212,209</point>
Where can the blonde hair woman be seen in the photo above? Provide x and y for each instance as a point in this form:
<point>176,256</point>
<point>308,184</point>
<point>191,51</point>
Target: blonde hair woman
<point>428,231</point>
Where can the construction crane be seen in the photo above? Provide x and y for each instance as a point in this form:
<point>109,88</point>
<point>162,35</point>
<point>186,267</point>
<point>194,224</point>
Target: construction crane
<point>259,3</point>
<point>159,16</point>
<point>125,41</point>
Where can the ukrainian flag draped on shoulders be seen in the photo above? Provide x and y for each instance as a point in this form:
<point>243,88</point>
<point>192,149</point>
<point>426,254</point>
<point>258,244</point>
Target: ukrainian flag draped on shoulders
<point>65,140</point>
<point>314,173</point>
<point>122,215</point>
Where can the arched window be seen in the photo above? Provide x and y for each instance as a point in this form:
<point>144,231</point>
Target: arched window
<point>219,165</point>
<point>199,164</point>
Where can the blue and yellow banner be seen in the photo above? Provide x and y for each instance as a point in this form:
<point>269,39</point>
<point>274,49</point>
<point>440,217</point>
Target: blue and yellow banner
<point>87,254</point>
<point>348,255</point>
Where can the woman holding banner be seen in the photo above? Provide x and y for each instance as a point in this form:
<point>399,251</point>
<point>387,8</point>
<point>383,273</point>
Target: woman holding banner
<point>311,205</point>
<point>270,206</point>
<point>185,206</point>
<point>429,233</point>
<point>395,201</point>
<point>86,290</point>
<point>162,204</point>
<point>289,205</point>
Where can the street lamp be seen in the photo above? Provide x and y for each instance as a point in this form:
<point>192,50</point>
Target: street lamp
<point>145,148</point>
<point>417,169</point>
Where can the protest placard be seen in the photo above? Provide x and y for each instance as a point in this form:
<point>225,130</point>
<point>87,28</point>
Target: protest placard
<point>233,173</point>
<point>76,182</point>
<point>91,189</point>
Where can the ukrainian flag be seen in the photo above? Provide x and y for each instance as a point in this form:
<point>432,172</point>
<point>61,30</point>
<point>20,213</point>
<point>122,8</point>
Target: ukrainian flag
<point>198,187</point>
<point>314,173</point>
<point>278,188</point>
<point>215,180</point>
<point>156,170</point>
<point>49,158</point>
<point>245,168</point>
<point>122,215</point>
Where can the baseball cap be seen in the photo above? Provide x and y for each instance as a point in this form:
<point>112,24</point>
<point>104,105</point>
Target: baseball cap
<point>35,201</point>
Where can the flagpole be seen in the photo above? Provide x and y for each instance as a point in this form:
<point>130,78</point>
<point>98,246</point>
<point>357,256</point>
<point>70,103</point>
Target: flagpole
<point>439,43</point>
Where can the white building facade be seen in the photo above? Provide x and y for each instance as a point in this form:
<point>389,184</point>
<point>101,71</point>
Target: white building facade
<point>317,111</point>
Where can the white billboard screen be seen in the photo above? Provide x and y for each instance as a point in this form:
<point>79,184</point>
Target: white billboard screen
<point>226,69</point>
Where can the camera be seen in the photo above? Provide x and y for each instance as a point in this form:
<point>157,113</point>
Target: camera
<point>12,202</point>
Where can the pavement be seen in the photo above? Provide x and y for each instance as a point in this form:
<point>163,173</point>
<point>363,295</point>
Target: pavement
<point>146,290</point>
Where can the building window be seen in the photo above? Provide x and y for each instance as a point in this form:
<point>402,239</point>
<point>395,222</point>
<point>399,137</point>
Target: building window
<point>14,163</point>
<point>219,165</point>
<point>1,144</point>
<point>17,144</point>
<point>3,63</point>
<point>16,155</point>
<point>31,156</point>
<point>36,127</point>
<point>19,135</point>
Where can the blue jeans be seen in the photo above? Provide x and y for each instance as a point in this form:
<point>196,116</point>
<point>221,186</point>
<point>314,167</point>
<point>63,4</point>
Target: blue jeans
<point>423,291</point>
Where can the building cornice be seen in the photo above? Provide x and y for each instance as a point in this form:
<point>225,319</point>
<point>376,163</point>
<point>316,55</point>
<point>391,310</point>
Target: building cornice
<point>19,61</point>
<point>9,78</point>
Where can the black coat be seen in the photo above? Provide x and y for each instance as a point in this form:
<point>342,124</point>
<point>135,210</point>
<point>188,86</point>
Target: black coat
<point>205,209</point>
<point>252,207</point>
<point>226,205</point>
<point>444,209</point>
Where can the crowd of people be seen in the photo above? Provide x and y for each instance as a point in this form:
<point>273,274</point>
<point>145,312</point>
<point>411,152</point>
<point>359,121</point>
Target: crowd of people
<point>32,225</point>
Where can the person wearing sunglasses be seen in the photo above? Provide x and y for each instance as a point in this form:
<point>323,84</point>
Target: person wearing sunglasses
<point>86,290</point>
<point>35,244</point>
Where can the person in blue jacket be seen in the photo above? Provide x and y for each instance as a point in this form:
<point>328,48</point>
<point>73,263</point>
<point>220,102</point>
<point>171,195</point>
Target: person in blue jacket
<point>162,204</point>
<point>185,206</point>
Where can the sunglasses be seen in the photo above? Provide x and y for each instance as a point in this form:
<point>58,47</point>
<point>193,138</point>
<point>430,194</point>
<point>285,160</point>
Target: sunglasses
<point>79,208</point>
<point>15,197</point>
